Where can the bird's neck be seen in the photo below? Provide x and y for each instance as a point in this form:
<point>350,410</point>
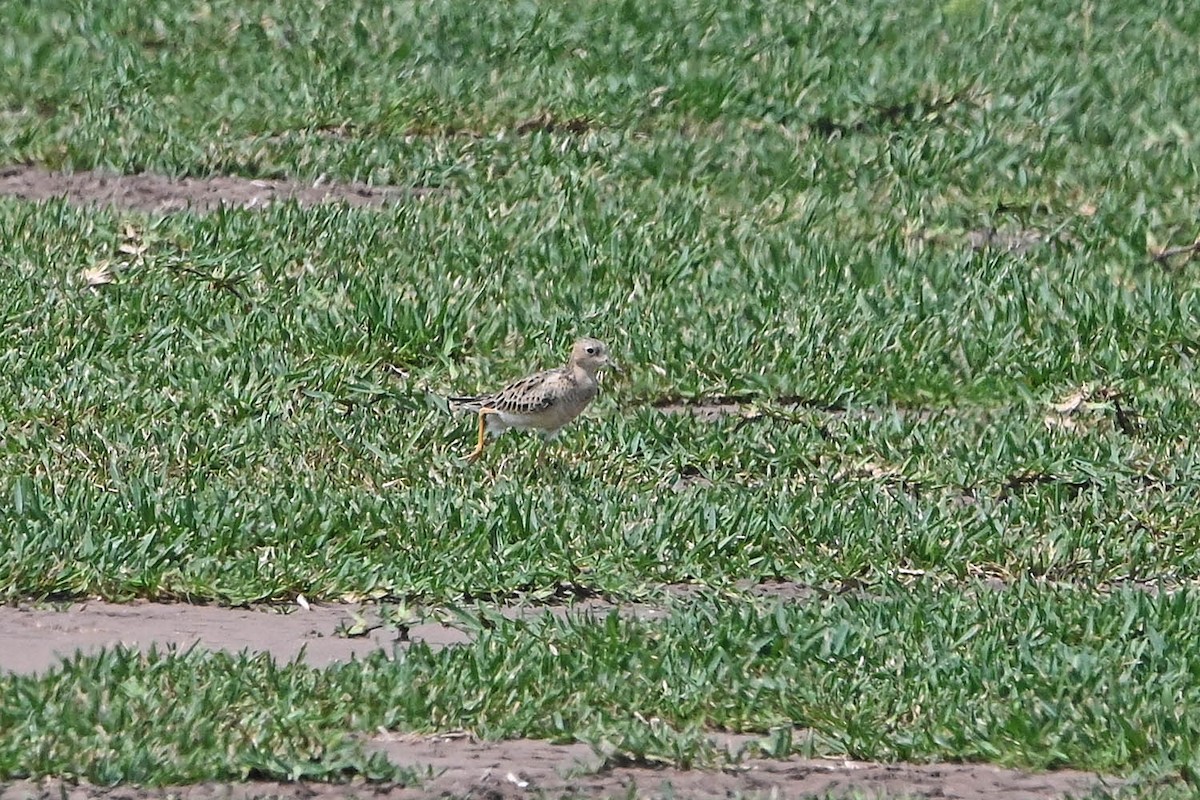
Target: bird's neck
<point>581,375</point>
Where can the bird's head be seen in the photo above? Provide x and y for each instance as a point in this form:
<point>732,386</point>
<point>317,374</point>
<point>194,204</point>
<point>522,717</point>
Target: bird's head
<point>590,355</point>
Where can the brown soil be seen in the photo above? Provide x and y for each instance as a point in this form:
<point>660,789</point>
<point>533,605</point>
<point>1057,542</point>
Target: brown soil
<point>466,767</point>
<point>529,769</point>
<point>705,409</point>
<point>159,194</point>
<point>35,638</point>
<point>753,407</point>
<point>1019,242</point>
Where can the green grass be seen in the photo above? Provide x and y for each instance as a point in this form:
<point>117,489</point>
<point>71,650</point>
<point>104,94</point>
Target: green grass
<point>1028,677</point>
<point>820,511</point>
<point>772,201</point>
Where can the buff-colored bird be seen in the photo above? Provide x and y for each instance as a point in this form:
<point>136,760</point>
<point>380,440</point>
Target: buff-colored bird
<point>544,401</point>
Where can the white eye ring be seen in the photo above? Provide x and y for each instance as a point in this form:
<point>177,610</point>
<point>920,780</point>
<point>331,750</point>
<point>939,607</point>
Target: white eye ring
<point>591,351</point>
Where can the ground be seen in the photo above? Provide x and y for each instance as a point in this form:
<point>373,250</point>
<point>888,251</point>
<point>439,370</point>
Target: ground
<point>157,194</point>
<point>895,496</point>
<point>462,766</point>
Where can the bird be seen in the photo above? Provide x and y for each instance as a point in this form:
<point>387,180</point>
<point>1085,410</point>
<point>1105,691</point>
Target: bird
<point>545,400</point>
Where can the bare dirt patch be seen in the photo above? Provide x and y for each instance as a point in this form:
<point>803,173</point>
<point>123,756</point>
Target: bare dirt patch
<point>523,768</point>
<point>705,409</point>
<point>788,408</point>
<point>459,765</point>
<point>160,194</point>
<point>1018,242</point>
<point>1014,241</point>
<point>465,767</point>
<point>37,638</point>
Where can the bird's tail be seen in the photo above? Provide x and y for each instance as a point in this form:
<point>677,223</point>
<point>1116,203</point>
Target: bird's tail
<point>465,403</point>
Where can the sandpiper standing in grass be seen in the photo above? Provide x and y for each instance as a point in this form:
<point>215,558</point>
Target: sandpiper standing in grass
<point>546,401</point>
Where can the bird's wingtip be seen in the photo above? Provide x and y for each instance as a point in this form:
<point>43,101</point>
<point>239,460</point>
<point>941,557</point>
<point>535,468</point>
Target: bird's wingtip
<point>462,403</point>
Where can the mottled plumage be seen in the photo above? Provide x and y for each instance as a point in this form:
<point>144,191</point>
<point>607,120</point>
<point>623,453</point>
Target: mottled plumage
<point>545,400</point>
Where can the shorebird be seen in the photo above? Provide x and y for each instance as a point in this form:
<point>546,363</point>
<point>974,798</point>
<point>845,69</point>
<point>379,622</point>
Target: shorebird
<point>546,401</point>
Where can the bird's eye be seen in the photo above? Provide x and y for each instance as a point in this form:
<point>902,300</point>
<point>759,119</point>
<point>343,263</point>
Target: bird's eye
<point>591,351</point>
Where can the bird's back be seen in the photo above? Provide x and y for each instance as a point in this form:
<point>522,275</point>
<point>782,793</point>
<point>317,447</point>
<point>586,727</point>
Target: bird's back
<point>558,395</point>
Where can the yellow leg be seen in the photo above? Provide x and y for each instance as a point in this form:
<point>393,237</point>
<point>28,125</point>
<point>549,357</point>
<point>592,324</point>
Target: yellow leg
<point>478,451</point>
